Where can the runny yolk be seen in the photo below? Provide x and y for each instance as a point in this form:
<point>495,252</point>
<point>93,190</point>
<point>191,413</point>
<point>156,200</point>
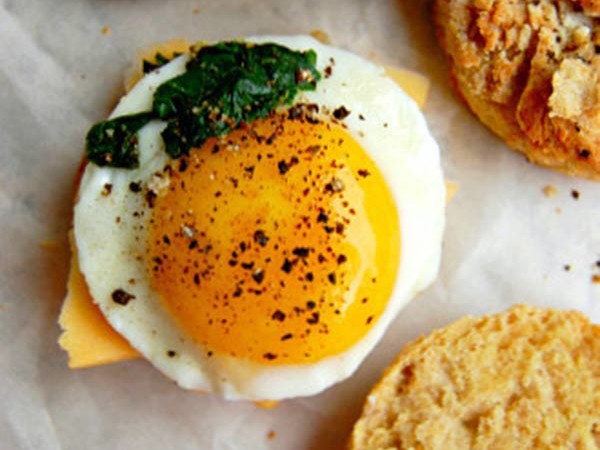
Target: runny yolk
<point>278,244</point>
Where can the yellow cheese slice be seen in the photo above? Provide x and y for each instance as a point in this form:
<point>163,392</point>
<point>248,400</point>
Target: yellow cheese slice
<point>414,84</point>
<point>87,337</point>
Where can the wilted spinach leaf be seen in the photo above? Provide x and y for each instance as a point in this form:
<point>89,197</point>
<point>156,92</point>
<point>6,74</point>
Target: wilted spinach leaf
<point>224,85</point>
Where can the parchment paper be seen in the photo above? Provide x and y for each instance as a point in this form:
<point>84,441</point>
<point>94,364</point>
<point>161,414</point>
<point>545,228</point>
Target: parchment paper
<point>505,241</point>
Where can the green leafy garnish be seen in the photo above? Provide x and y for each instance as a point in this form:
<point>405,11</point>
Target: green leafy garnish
<point>114,142</point>
<point>225,85</point>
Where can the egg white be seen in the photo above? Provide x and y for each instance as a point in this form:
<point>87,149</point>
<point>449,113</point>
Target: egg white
<point>404,152</point>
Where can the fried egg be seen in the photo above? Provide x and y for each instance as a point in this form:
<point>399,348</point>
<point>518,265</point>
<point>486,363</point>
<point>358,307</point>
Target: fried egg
<point>268,263</point>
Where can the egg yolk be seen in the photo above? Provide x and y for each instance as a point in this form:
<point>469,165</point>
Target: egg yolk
<point>278,244</point>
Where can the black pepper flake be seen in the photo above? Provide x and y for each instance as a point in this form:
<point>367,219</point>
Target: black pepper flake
<point>310,276</point>
<point>249,170</point>
<point>183,164</point>
<point>135,187</point>
<point>270,356</point>
<point>311,305</point>
<point>597,49</point>
<point>260,238</point>
<point>107,189</point>
<point>287,336</point>
<point>567,267</point>
<point>283,167</point>
<point>364,173</point>
<point>575,194</point>
<point>151,198</point>
<point>215,149</point>
<point>193,244</point>
<point>341,259</point>
<point>328,229</point>
<point>248,265</point>
<point>196,279</point>
<point>171,353</point>
<point>361,117</point>
<point>369,320</point>
<point>335,185</point>
<point>321,258</point>
<point>232,262</point>
<point>584,153</point>
<point>278,315</point>
<point>341,113</point>
<point>339,228</point>
<point>328,71</point>
<point>238,292</point>
<point>166,239</point>
<point>322,217</point>
<point>287,266</point>
<point>122,297</point>
<point>332,278</point>
<point>258,275</point>
<point>313,319</point>
<point>301,252</point>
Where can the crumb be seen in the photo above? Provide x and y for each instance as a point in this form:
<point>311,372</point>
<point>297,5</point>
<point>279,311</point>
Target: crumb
<point>196,10</point>
<point>549,191</point>
<point>558,211</point>
<point>596,279</point>
<point>321,36</point>
<point>106,30</point>
<point>271,434</point>
<point>575,194</point>
<point>567,267</point>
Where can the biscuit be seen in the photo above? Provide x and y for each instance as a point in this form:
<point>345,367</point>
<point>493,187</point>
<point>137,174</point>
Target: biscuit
<point>528,378</point>
<point>530,70</point>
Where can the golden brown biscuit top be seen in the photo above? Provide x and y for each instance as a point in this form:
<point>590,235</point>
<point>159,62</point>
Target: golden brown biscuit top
<point>540,60</point>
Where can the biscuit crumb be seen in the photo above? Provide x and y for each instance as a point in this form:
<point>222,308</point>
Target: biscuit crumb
<point>196,10</point>
<point>549,191</point>
<point>596,279</point>
<point>321,36</point>
<point>271,435</point>
<point>106,30</point>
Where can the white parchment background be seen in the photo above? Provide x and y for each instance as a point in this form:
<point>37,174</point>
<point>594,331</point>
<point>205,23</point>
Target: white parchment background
<point>505,241</point>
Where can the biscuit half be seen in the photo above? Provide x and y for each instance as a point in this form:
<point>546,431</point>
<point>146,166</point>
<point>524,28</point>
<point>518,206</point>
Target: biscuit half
<point>528,378</point>
<point>530,70</point>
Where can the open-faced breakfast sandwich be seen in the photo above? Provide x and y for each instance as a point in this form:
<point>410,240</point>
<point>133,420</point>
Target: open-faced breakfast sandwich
<point>251,218</point>
<point>530,71</point>
<point>527,378</point>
